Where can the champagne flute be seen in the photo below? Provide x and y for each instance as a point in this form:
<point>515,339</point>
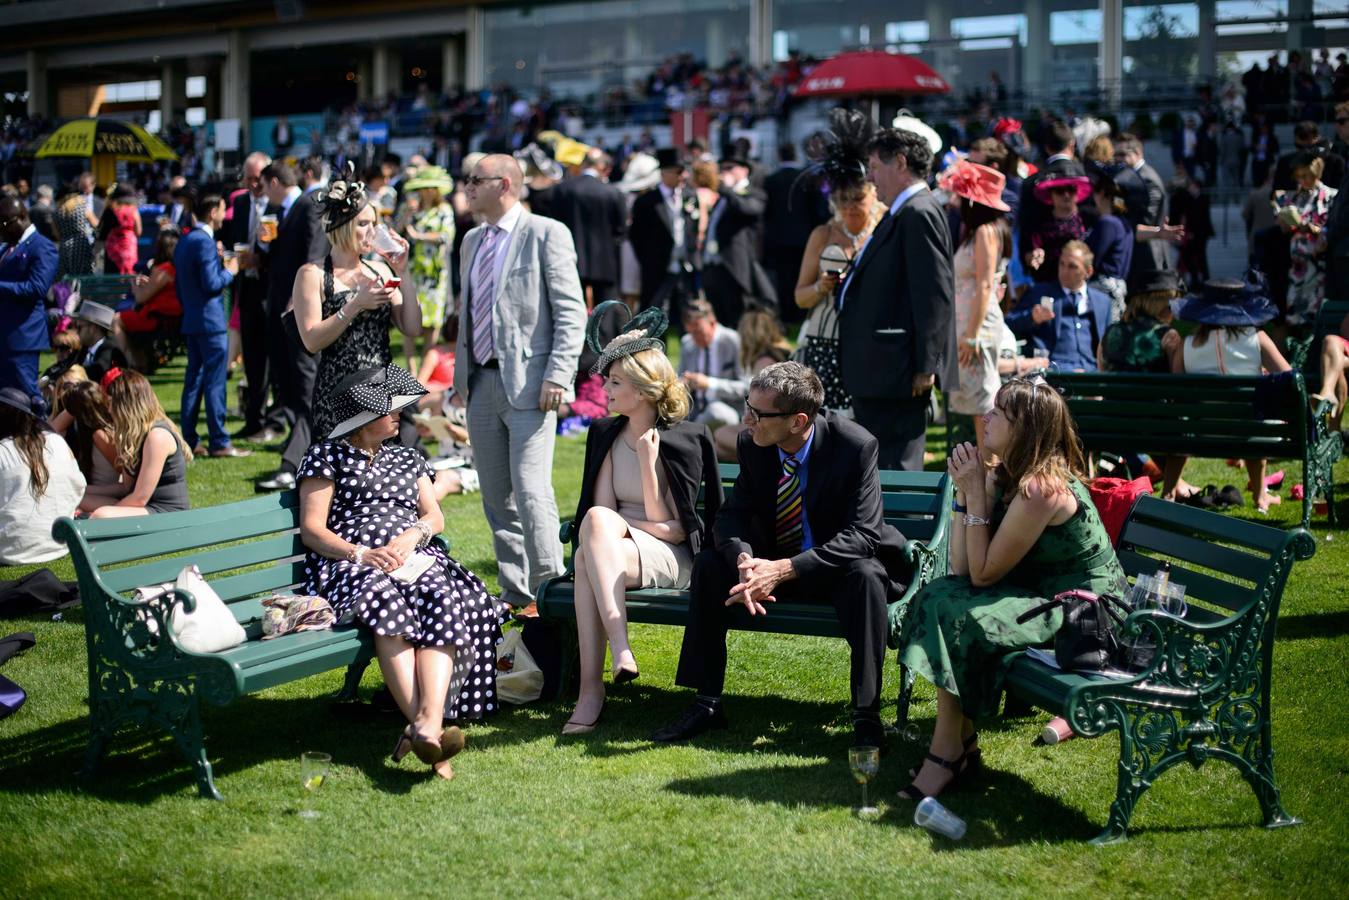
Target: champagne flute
<point>865,762</point>
<point>313,772</point>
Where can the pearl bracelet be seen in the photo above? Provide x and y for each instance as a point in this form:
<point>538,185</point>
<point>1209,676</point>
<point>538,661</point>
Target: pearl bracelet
<point>426,531</point>
<point>357,554</point>
<point>341,315</point>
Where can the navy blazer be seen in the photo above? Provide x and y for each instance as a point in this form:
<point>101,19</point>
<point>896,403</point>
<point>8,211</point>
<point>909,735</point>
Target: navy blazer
<point>1046,335</point>
<point>202,280</point>
<point>26,274</point>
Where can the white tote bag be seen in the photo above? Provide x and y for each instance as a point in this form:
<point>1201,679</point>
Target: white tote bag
<point>519,678</point>
<point>210,627</point>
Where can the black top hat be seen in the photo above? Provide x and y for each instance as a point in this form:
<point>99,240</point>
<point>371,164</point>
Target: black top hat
<point>733,160</point>
<point>365,396</point>
<point>641,332</point>
<point>668,158</point>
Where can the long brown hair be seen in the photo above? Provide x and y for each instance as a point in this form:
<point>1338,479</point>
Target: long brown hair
<point>1042,443</point>
<point>88,405</point>
<point>136,410</point>
<point>31,440</point>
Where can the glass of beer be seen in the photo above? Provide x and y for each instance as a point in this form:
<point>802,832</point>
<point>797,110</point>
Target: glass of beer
<point>267,229</point>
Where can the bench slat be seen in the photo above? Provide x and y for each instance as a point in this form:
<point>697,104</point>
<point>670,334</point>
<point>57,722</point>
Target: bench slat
<point>1201,552</point>
<point>1175,517</point>
<point>251,554</point>
<point>109,552</point>
<point>308,662</point>
<point>265,581</point>
<point>1090,422</point>
<point>255,654</point>
<point>1198,587</point>
<point>97,530</point>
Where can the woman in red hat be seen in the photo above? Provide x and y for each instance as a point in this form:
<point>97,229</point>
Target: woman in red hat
<point>1063,193</point>
<point>985,247</point>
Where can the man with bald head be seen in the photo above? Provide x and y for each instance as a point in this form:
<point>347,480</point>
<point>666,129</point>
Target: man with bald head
<point>251,296</point>
<point>27,267</point>
<point>522,320</point>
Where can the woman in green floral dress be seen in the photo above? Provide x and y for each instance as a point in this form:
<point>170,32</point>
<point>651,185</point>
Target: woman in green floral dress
<point>1143,339</point>
<point>431,234</point>
<point>1024,530</point>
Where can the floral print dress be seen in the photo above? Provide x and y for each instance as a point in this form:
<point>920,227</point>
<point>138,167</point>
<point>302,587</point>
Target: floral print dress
<point>1307,270</point>
<point>430,263</point>
<point>960,636</point>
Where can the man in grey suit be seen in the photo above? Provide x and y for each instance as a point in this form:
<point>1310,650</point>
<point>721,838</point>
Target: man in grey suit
<point>1147,212</point>
<point>523,320</point>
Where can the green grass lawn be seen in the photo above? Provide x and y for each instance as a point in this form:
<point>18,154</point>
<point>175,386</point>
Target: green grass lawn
<point>762,809</point>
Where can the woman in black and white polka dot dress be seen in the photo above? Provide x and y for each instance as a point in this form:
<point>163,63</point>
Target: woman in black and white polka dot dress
<point>366,508</point>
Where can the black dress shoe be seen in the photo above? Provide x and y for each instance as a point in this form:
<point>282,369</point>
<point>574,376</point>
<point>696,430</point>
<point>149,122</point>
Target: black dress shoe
<point>281,481</point>
<point>868,733</point>
<point>695,720</point>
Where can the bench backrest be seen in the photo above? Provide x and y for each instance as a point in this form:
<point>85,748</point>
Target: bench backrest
<point>106,289</point>
<point>1203,415</point>
<point>244,549</point>
<point>916,503</point>
<point>1225,564</point>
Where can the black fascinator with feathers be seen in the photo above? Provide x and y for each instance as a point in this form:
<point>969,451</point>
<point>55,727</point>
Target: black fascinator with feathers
<point>643,331</point>
<point>840,154</point>
<point>343,200</point>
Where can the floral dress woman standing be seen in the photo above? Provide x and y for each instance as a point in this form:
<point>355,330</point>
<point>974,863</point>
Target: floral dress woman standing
<point>1302,215</point>
<point>431,234</point>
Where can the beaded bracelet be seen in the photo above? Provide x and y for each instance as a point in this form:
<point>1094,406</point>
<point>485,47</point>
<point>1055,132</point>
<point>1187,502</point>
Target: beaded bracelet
<point>426,531</point>
<point>357,554</point>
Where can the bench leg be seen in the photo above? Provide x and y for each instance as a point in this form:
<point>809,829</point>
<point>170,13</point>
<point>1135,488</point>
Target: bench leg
<point>906,678</point>
<point>350,691</point>
<point>182,719</point>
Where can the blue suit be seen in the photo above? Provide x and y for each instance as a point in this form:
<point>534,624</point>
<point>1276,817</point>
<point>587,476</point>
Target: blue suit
<point>26,273</point>
<point>1056,334</point>
<point>201,282</point>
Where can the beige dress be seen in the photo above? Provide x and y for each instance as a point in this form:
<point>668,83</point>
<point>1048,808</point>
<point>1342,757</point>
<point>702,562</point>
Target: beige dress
<point>660,564</point>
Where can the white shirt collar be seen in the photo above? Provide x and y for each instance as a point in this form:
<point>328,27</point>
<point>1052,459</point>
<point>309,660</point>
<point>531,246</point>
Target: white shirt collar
<point>27,233</point>
<point>1138,165</point>
<point>906,194</point>
<point>508,222</point>
<point>210,232</point>
<point>1057,156</point>
<point>292,193</point>
<point>1079,298</point>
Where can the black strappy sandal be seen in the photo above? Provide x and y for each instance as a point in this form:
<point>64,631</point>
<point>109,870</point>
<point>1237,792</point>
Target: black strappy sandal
<point>913,793</point>
<point>971,759</point>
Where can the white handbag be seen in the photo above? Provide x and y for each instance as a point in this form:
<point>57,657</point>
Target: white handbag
<point>210,627</point>
<point>519,678</point>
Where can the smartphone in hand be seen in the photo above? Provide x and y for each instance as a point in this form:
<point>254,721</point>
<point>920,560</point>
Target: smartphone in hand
<point>393,282</point>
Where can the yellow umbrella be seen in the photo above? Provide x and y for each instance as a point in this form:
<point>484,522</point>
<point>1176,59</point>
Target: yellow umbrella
<point>105,141</point>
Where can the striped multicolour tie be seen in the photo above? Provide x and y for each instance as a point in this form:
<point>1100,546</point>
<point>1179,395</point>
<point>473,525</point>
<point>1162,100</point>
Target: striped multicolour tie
<point>483,287</point>
<point>789,531</point>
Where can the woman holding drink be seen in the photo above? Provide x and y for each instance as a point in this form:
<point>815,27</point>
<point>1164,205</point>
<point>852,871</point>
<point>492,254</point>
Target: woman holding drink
<point>344,304</point>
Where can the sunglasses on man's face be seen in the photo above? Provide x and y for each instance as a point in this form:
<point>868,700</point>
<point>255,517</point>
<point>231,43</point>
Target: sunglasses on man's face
<point>479,180</point>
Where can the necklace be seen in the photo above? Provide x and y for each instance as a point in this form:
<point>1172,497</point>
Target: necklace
<point>370,455</point>
<point>851,237</point>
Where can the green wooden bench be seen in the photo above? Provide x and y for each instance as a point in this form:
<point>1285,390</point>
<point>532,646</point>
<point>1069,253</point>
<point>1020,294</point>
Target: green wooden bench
<point>109,290</point>
<point>160,345</point>
<point>1208,416</point>
<point>248,551</point>
<point>1206,693</point>
<point>917,503</point>
<point>1305,352</point>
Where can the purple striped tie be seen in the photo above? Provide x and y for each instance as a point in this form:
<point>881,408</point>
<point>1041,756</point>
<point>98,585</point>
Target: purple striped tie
<point>483,287</point>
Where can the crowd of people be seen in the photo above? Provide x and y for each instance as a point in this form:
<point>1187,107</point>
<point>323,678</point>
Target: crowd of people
<point>537,288</point>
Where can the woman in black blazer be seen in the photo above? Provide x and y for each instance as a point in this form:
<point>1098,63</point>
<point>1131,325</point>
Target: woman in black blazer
<point>639,527</point>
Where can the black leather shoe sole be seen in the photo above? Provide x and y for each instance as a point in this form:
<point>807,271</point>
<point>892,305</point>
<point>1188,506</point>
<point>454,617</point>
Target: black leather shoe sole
<point>690,725</point>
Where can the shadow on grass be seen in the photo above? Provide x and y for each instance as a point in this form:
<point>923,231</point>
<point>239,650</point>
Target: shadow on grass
<point>1313,625</point>
<point>999,808</point>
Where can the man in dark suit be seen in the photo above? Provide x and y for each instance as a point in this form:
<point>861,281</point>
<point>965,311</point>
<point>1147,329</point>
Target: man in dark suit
<point>597,216</point>
<point>794,207</point>
<point>1066,317</point>
<point>179,210</point>
<point>1307,138</point>
<point>27,267</point>
<point>300,239</point>
<point>93,325</point>
<point>1147,212</point>
<point>804,523</point>
<point>250,293</point>
<point>732,276</point>
<point>895,306</point>
<point>664,236</point>
<point>201,280</point>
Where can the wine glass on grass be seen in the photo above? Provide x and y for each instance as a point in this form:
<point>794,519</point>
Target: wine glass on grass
<point>313,772</point>
<point>865,762</point>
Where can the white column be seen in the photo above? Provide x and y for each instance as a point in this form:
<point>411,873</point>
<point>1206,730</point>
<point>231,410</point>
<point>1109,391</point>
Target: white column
<point>363,78</point>
<point>939,32</point>
<point>761,33</point>
<point>1299,18</point>
<point>716,42</point>
<point>172,91</point>
<point>379,70</point>
<point>475,49</point>
<point>234,83</point>
<point>39,100</point>
<point>452,63</point>
<point>1208,39</point>
<point>1112,49</point>
<point>1035,71</point>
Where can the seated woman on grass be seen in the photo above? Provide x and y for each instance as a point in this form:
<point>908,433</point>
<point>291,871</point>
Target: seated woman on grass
<point>1024,530</point>
<point>150,451</point>
<point>366,509</point>
<point>86,421</point>
<point>639,489</point>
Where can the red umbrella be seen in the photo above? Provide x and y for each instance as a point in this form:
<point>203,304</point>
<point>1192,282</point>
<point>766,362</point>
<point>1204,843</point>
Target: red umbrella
<point>870,73</point>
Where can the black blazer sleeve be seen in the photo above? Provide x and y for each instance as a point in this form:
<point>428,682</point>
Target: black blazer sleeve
<point>735,524</point>
<point>859,538</point>
<point>930,284</point>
